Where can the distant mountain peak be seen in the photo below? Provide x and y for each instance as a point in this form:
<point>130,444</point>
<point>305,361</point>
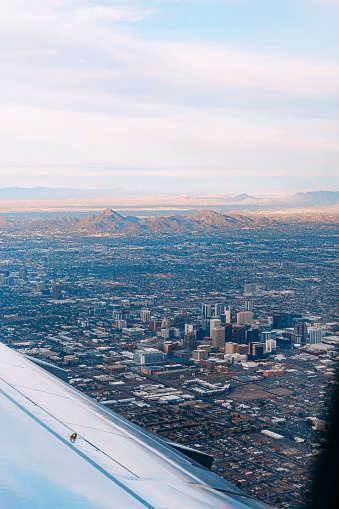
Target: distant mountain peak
<point>311,198</point>
<point>206,213</point>
<point>242,197</point>
<point>108,213</point>
<point>5,222</point>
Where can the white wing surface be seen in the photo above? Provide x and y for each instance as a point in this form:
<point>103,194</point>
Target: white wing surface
<point>112,463</point>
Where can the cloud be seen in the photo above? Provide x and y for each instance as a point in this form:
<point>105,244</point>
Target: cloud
<point>90,48</point>
<point>77,55</point>
<point>189,141</point>
<point>78,85</point>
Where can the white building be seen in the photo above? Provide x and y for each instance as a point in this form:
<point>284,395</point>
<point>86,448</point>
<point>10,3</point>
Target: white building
<point>206,310</point>
<point>133,331</point>
<point>145,315</point>
<point>271,345</point>
<point>149,356</point>
<point>248,305</point>
<point>316,335</point>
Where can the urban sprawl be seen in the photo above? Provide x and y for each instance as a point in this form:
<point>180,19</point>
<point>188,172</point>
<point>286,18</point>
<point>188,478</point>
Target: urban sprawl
<point>224,341</point>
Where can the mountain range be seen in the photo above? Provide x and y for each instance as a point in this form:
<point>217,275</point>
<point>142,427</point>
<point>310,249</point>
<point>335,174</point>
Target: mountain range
<point>300,199</point>
<point>109,222</point>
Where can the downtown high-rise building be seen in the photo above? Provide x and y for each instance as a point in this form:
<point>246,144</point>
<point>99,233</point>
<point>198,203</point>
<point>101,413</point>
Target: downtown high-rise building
<point>218,309</point>
<point>251,289</point>
<point>190,341</point>
<point>228,331</point>
<point>206,310</point>
<point>316,335</point>
<point>239,334</point>
<point>287,319</point>
<point>301,330</point>
<point>252,335</point>
<point>248,305</point>
<point>56,291</point>
<point>276,319</point>
<point>244,317</point>
<point>218,337</point>
<point>145,315</point>
<point>23,273</point>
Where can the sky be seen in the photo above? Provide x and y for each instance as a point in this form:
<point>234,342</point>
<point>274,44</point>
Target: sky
<point>172,95</point>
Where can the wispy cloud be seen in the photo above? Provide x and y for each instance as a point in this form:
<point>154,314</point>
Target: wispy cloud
<point>79,85</point>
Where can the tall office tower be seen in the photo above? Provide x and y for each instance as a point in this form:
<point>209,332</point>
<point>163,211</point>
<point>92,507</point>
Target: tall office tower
<point>301,329</point>
<point>244,317</point>
<point>190,342</point>
<point>145,315</point>
<point>252,335</point>
<point>23,273</point>
<point>276,319</point>
<point>205,325</point>
<point>183,312</point>
<point>248,305</point>
<point>316,335</point>
<point>228,331</point>
<point>206,310</point>
<point>218,337</point>
<point>165,323</point>
<point>287,319</point>
<point>56,291</point>
<point>227,312</point>
<point>214,322</point>
<point>218,309</point>
<point>239,334</point>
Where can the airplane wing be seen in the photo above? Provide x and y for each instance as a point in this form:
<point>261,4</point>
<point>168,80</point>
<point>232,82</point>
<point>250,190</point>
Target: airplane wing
<point>61,449</point>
